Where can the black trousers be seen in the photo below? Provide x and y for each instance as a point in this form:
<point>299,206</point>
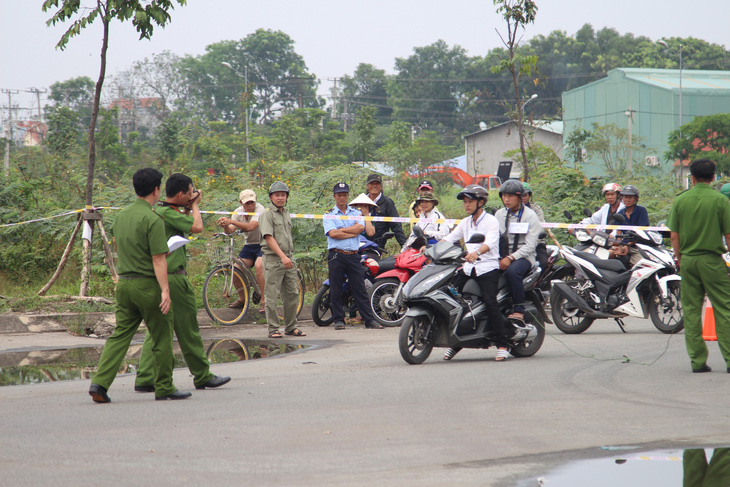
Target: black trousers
<point>489,284</point>
<point>347,267</point>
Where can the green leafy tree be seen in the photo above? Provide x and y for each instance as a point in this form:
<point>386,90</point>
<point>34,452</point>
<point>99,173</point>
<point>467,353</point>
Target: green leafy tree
<point>366,86</point>
<point>169,140</point>
<point>365,129</point>
<point>277,76</point>
<point>703,137</point>
<point>144,16</point>
<point>610,144</point>
<point>63,131</point>
<point>425,89</point>
<point>517,14</point>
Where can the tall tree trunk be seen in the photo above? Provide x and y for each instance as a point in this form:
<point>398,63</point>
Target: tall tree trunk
<point>86,251</point>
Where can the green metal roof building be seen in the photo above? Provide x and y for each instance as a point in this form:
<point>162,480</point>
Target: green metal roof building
<point>652,97</point>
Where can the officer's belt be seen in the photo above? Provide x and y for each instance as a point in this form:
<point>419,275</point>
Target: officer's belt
<point>136,277</point>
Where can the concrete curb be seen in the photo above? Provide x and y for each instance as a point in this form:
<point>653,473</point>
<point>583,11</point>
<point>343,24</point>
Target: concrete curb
<point>63,322</point>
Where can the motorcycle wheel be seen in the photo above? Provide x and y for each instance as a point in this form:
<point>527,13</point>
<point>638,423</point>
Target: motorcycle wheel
<point>381,297</point>
<point>667,318</point>
<point>531,348</point>
<point>321,309</point>
<point>415,340</point>
<point>568,319</point>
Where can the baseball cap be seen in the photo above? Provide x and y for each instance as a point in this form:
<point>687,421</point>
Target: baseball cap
<point>425,184</point>
<point>341,188</point>
<point>374,178</point>
<point>247,195</point>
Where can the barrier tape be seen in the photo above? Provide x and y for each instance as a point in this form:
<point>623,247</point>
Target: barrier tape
<point>311,216</point>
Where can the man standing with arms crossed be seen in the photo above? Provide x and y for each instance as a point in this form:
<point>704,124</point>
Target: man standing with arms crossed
<point>181,214</point>
<point>343,259</point>
<point>142,292</point>
<point>699,220</point>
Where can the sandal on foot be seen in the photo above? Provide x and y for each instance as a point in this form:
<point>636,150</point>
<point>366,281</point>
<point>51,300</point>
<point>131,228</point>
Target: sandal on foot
<point>340,326</point>
<point>296,332</point>
<point>502,355</point>
<point>450,353</point>
<point>262,308</point>
<point>355,321</point>
<point>275,334</point>
<point>237,303</point>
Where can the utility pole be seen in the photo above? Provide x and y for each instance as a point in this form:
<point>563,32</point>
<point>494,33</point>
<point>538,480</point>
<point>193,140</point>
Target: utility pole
<point>38,98</point>
<point>345,115</point>
<point>6,161</point>
<point>630,113</point>
<point>334,99</point>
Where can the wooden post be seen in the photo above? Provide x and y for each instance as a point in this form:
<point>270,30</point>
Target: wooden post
<point>107,251</point>
<point>64,258</point>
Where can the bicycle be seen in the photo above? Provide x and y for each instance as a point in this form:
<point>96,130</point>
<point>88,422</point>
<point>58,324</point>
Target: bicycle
<point>230,280</point>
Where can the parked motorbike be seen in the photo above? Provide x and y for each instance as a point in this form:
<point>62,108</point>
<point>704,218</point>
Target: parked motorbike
<point>651,288</point>
<point>385,295</point>
<point>371,259</point>
<point>439,316</point>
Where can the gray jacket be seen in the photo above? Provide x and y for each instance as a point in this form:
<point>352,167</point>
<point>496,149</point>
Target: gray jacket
<point>527,242</point>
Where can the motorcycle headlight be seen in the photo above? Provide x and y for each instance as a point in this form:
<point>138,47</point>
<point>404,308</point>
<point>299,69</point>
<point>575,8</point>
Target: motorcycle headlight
<point>656,237</point>
<point>582,235</point>
<point>599,240</point>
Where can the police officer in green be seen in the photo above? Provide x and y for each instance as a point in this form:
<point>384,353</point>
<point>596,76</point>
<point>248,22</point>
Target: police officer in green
<point>699,220</point>
<point>142,292</point>
<point>280,270</point>
<point>181,214</point>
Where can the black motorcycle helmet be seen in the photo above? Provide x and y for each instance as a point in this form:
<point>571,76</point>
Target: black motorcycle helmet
<point>474,192</point>
<point>630,190</point>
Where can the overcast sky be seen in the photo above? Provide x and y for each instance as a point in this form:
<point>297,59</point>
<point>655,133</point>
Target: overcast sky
<point>333,36</point>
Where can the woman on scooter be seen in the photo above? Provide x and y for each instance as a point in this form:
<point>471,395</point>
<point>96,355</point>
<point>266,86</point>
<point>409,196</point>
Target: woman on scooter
<point>482,261</point>
<point>427,202</point>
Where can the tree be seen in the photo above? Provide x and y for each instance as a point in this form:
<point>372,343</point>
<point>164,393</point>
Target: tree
<point>610,144</point>
<point>63,131</point>
<point>366,86</point>
<point>704,137</point>
<point>426,87</point>
<point>277,75</point>
<point>365,130</point>
<point>517,14</point>
<point>144,16</point>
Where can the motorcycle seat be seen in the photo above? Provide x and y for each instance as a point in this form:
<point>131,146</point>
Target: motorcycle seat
<point>608,264</point>
<point>387,264</point>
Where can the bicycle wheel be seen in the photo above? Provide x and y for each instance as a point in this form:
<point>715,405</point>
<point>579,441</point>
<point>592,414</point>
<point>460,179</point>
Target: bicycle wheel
<point>227,350</point>
<point>222,288</point>
<point>300,303</point>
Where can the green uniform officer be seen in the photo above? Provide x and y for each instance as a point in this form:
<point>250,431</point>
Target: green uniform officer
<point>280,270</point>
<point>142,292</point>
<point>181,214</point>
<point>698,221</point>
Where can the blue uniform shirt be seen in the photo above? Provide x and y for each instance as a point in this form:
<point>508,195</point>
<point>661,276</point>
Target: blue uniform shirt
<point>347,243</point>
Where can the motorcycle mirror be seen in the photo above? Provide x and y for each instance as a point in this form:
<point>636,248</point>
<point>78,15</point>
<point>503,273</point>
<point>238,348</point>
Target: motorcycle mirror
<point>493,210</point>
<point>388,235</point>
<point>542,235</point>
<point>418,232</point>
<point>476,238</point>
<point>618,218</point>
<point>587,212</point>
<point>568,215</point>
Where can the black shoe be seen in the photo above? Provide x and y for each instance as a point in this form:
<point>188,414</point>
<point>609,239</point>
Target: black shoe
<point>98,394</point>
<point>373,324</point>
<point>216,381</point>
<point>706,368</point>
<point>144,388</point>
<point>175,395</point>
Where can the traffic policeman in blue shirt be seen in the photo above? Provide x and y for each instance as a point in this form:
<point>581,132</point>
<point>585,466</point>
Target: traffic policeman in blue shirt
<point>343,259</point>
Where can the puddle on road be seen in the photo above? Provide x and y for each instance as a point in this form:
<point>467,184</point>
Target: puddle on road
<point>32,367</point>
<point>708,467</point>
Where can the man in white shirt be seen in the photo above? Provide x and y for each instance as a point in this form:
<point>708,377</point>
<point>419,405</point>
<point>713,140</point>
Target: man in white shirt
<point>482,261</point>
<point>611,192</point>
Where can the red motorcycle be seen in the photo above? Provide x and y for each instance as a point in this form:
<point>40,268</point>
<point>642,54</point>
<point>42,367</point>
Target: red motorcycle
<point>386,293</point>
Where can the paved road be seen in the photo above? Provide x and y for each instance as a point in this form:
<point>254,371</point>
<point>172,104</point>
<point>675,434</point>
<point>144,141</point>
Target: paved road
<point>350,412</point>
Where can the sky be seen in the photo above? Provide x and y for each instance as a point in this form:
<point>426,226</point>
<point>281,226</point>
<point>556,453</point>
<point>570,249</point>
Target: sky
<point>333,36</point>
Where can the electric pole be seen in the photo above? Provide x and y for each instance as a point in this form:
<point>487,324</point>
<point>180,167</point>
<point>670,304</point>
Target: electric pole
<point>38,98</point>
<point>6,162</point>
<point>630,113</point>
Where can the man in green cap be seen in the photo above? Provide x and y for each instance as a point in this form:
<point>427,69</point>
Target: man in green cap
<point>142,292</point>
<point>181,214</point>
<point>699,219</point>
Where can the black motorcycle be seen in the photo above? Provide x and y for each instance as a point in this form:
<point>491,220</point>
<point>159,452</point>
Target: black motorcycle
<point>440,316</point>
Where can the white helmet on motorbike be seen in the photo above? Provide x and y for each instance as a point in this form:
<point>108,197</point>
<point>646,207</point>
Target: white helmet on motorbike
<point>610,188</point>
